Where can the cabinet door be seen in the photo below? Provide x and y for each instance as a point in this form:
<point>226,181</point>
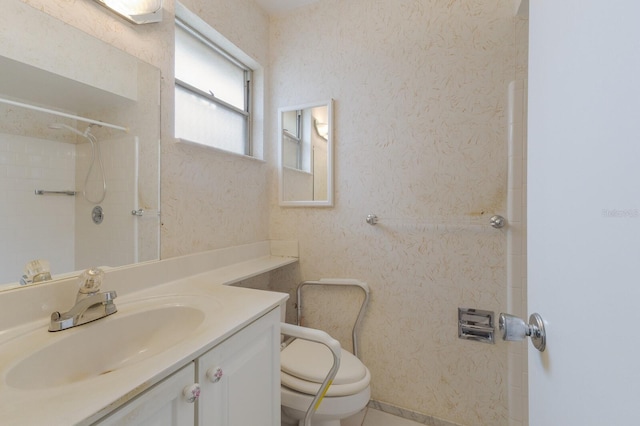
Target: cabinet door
<point>240,378</point>
<point>162,405</point>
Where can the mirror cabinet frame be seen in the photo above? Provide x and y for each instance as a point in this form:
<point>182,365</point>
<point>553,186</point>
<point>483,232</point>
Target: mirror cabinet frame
<point>330,147</point>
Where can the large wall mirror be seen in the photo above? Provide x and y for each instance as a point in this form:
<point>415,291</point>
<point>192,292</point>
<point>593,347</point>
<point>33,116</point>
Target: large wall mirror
<point>306,154</point>
<point>79,150</point>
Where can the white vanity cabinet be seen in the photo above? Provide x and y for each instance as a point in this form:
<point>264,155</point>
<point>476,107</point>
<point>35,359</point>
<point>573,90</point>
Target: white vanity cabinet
<point>162,405</point>
<point>240,379</point>
<point>239,385</point>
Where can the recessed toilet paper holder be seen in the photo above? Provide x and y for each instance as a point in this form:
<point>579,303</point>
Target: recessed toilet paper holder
<point>516,329</point>
<point>476,324</point>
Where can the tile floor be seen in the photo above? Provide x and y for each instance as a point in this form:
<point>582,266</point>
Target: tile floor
<point>380,418</point>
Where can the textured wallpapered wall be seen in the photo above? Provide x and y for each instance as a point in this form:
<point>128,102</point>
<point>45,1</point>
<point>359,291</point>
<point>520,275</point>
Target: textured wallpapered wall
<point>420,91</point>
<point>209,199</point>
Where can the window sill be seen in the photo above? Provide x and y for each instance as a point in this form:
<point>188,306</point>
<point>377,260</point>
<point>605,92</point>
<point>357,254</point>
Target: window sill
<point>294,170</point>
<point>220,150</point>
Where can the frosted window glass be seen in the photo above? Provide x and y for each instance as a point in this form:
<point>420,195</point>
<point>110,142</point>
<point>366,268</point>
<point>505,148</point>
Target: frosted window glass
<point>290,151</point>
<point>206,69</point>
<point>201,120</point>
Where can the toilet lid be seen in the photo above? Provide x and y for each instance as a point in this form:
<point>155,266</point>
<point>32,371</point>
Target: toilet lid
<point>311,361</point>
<point>311,388</point>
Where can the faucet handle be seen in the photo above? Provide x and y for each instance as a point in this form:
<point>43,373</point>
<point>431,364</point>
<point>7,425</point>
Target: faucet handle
<point>91,280</point>
<point>36,271</point>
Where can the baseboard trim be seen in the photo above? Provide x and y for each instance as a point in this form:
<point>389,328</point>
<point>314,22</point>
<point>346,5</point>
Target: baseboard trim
<point>410,415</point>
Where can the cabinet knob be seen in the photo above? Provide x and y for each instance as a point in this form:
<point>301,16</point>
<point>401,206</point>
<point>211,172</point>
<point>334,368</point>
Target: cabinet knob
<point>214,374</point>
<point>191,393</point>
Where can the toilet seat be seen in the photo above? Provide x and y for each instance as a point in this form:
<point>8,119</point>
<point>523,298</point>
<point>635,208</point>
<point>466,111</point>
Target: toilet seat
<point>305,364</point>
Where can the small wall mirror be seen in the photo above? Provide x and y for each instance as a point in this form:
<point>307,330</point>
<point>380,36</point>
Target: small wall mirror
<point>306,155</point>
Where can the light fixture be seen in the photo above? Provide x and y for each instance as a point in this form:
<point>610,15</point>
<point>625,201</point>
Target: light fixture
<point>322,129</point>
<point>136,11</point>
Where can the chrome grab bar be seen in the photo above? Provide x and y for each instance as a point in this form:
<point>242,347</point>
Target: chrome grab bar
<point>495,221</point>
<point>348,282</point>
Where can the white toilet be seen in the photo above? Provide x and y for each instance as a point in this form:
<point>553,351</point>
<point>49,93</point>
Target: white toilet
<point>304,367</point>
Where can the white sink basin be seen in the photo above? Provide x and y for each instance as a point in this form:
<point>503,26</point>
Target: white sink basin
<point>103,346</point>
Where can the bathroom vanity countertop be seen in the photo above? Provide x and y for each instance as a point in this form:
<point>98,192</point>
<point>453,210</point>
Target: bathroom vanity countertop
<point>227,310</point>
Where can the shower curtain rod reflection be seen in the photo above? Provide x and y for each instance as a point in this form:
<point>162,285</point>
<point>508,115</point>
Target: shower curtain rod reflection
<point>64,114</point>
<point>495,221</point>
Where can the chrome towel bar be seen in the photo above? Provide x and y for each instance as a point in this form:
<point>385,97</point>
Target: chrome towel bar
<point>44,192</point>
<point>496,221</point>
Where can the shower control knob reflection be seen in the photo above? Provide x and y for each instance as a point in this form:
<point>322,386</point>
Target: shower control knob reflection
<point>97,215</point>
<point>516,329</point>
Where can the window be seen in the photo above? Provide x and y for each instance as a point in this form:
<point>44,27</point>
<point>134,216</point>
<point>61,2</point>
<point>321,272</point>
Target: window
<point>213,94</point>
<point>292,142</point>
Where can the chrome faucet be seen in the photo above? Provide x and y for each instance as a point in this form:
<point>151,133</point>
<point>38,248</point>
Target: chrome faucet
<point>90,303</point>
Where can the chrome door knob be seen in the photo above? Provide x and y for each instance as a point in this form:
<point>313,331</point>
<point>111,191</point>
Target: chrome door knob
<point>516,329</point>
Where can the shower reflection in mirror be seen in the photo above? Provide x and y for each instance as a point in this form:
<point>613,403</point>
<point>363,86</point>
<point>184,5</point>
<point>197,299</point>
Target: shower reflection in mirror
<point>79,151</point>
<point>306,146</point>
<point>95,155</point>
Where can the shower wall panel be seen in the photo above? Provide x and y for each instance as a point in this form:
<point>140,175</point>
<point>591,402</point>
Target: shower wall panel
<point>35,226</point>
<point>114,241</point>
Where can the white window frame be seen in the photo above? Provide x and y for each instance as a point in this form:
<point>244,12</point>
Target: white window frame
<point>254,76</point>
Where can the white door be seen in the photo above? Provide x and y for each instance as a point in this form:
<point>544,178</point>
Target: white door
<point>584,211</point>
